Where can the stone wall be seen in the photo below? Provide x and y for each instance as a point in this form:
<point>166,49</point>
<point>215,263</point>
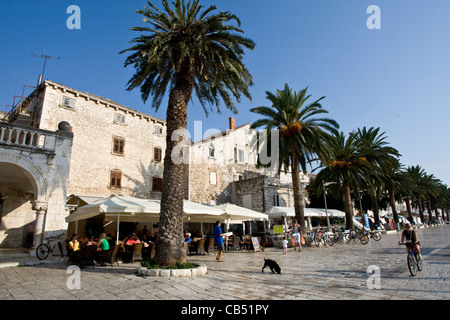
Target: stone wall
<point>30,174</point>
<point>96,122</point>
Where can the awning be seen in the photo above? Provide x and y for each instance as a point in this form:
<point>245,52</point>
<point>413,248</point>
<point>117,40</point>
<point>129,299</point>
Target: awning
<point>235,212</point>
<point>309,212</point>
<point>129,209</point>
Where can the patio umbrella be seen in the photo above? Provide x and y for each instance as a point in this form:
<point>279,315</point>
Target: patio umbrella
<point>234,212</point>
<point>197,212</point>
<point>117,207</point>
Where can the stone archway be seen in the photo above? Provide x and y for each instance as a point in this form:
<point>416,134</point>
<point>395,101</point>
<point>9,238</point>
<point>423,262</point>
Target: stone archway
<point>24,189</point>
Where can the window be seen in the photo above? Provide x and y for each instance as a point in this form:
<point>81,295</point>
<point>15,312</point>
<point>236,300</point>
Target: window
<point>119,146</point>
<point>116,179</point>
<point>158,130</point>
<point>68,102</point>
<point>213,178</point>
<point>157,184</point>
<point>157,154</point>
<point>242,156</point>
<point>278,201</point>
<point>119,118</point>
<point>211,151</point>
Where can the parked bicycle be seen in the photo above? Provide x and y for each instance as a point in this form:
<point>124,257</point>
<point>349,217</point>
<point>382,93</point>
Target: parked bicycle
<point>363,236</point>
<point>414,264</point>
<point>375,235</point>
<point>44,249</point>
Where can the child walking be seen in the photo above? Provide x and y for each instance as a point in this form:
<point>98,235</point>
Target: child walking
<point>285,244</point>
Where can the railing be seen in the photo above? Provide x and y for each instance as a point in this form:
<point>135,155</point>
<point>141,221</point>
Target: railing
<point>17,136</point>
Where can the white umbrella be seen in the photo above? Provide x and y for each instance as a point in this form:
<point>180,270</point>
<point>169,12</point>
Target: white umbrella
<point>118,204</point>
<point>196,212</point>
<point>235,212</point>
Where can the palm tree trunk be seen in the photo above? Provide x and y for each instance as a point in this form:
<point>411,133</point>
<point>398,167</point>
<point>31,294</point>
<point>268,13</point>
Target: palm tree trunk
<point>408,208</point>
<point>373,198</point>
<point>421,211</point>
<point>299,205</point>
<point>429,211</point>
<point>392,204</point>
<point>348,208</point>
<point>170,241</point>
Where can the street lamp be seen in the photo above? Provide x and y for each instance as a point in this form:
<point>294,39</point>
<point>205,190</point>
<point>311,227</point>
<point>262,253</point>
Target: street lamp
<point>324,187</point>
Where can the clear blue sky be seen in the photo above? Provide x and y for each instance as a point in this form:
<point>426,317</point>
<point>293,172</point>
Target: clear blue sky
<point>396,78</point>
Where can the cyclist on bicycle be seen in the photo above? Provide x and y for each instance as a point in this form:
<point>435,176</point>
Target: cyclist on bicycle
<point>411,238</point>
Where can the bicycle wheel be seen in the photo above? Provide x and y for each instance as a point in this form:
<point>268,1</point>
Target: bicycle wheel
<point>419,265</point>
<point>42,251</point>
<point>412,265</point>
<point>60,249</point>
<point>364,239</point>
<point>330,240</point>
<point>376,236</point>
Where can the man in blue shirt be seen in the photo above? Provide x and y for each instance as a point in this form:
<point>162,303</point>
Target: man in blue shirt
<point>218,240</point>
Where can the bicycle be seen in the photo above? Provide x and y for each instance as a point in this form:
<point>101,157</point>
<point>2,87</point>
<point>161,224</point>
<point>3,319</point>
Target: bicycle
<point>44,249</point>
<point>363,236</point>
<point>375,235</point>
<point>414,264</point>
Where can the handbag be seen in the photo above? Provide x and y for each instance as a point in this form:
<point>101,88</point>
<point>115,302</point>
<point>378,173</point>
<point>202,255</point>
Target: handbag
<point>302,240</point>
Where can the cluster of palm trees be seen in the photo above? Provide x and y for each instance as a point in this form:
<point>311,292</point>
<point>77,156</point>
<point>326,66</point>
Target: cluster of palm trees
<point>362,161</point>
<point>186,49</point>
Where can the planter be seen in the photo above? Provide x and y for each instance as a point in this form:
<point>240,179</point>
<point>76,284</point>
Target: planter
<point>198,271</point>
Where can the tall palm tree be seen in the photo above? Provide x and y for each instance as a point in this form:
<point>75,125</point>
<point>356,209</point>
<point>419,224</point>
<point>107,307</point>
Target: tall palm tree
<point>302,131</point>
<point>418,193</point>
<point>377,151</point>
<point>396,180</point>
<point>182,50</point>
<point>347,165</point>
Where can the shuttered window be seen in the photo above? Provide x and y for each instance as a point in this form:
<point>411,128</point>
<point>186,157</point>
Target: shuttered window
<point>116,179</point>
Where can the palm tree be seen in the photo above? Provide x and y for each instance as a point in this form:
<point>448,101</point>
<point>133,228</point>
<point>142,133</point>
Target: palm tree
<point>381,156</point>
<point>182,50</point>
<point>396,180</point>
<point>418,191</point>
<point>301,132</point>
<point>347,165</point>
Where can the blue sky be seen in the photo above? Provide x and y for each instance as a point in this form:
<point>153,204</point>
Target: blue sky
<point>396,78</point>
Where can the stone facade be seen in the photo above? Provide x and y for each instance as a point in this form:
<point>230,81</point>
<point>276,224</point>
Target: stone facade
<point>219,160</point>
<point>34,166</point>
<point>223,168</point>
<point>108,139</point>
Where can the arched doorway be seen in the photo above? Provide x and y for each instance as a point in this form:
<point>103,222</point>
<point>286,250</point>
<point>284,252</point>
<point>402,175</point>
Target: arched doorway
<point>21,183</point>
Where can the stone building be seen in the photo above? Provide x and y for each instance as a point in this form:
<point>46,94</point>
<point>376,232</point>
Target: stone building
<point>115,149</point>
<point>223,168</point>
<point>34,167</point>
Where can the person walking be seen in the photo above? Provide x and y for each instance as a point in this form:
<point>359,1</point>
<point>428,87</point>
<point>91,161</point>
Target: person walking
<point>296,234</point>
<point>218,239</point>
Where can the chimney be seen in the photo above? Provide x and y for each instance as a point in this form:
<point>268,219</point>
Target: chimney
<point>232,123</point>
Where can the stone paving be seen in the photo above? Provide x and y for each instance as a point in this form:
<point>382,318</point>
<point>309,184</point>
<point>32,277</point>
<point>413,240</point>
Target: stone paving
<point>338,272</point>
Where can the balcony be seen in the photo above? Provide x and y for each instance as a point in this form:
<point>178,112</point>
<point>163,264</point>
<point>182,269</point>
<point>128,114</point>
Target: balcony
<point>26,137</point>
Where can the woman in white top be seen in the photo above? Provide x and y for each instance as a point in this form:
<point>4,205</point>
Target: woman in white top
<point>296,234</point>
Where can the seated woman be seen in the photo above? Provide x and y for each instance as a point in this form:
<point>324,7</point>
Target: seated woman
<point>102,245</point>
<point>74,245</point>
<point>133,239</point>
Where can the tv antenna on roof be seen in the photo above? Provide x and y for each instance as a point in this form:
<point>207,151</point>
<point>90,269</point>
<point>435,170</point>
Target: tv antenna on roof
<point>46,57</point>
